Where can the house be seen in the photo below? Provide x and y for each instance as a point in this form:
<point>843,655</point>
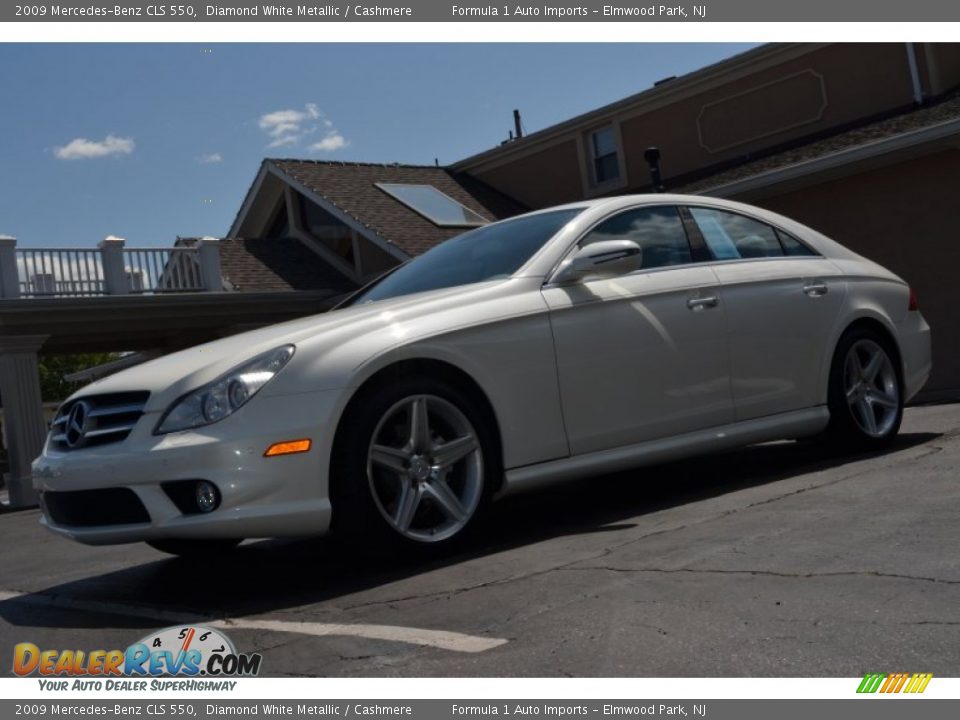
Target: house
<point>761,102</point>
<point>359,219</point>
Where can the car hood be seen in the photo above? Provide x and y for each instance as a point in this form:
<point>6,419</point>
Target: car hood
<point>171,376</point>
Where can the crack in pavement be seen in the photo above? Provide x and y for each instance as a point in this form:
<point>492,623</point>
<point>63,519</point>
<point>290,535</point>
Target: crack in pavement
<point>453,592</point>
<point>525,614</point>
<point>931,450</point>
<point>769,573</point>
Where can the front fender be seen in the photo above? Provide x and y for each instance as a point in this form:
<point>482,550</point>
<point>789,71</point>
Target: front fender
<point>513,363</point>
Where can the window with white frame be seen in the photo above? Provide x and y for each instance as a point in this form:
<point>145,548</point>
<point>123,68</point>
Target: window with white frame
<point>604,155</point>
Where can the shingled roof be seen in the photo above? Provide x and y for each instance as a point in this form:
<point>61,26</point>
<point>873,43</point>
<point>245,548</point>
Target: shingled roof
<point>350,187</point>
<point>945,110</point>
<point>275,265</point>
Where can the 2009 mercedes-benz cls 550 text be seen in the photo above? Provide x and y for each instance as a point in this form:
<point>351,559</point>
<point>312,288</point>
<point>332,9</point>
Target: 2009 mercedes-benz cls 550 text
<point>586,338</point>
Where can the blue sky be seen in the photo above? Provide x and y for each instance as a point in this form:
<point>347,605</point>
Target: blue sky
<point>148,142</point>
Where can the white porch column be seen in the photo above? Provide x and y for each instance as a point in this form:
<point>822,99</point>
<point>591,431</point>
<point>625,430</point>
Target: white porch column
<point>208,250</point>
<point>9,276</point>
<point>23,423</point>
<point>114,273</point>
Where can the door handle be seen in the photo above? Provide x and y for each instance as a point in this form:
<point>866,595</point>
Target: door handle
<point>816,289</point>
<point>698,303</point>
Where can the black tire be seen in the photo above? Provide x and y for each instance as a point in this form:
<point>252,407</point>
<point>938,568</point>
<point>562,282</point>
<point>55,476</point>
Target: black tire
<point>194,548</point>
<point>358,484</point>
<point>848,426</point>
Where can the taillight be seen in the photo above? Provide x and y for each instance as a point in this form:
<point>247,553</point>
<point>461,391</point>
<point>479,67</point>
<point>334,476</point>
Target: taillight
<point>914,304</point>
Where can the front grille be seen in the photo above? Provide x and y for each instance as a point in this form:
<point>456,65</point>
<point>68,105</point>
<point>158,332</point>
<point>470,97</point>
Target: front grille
<point>96,420</point>
<point>90,508</point>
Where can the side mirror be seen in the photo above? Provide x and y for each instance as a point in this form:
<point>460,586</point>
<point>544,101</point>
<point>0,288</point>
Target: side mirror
<point>604,259</point>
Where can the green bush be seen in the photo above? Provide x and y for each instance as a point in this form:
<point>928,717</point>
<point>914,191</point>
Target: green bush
<point>53,368</point>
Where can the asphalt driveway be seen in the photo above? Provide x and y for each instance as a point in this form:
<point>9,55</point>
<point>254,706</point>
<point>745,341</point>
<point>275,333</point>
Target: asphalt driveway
<point>777,560</point>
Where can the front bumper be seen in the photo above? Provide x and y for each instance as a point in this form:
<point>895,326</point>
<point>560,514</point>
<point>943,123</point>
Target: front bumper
<point>284,496</point>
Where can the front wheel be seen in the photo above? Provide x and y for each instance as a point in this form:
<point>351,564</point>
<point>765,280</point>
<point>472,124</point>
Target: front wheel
<point>866,397</point>
<point>416,466</point>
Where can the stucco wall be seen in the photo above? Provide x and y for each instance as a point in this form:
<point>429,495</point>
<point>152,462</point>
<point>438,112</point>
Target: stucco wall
<point>829,87</point>
<point>548,177</point>
<point>907,218</point>
<point>789,95</point>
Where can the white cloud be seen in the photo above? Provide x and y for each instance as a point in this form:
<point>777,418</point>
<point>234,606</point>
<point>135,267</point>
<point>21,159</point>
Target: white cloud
<point>287,140</point>
<point>333,141</point>
<point>210,158</point>
<point>290,127</point>
<point>83,149</point>
<point>285,127</point>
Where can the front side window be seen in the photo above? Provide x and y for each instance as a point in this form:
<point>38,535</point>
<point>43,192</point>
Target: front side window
<point>488,253</point>
<point>730,236</point>
<point>603,147</point>
<point>657,230</point>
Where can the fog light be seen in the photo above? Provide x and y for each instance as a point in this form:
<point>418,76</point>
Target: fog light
<point>207,496</point>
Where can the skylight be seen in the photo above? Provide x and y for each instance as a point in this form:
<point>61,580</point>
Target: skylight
<point>437,207</point>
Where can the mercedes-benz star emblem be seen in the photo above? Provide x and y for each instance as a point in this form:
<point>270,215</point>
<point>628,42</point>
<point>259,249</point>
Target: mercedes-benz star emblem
<point>77,424</point>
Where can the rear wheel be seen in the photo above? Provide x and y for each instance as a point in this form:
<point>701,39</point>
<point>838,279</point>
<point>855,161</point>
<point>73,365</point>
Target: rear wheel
<point>416,466</point>
<point>194,548</point>
<point>866,397</point>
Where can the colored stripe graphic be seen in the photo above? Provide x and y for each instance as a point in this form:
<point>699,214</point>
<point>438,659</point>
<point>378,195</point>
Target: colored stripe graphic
<point>871,683</point>
<point>894,683</point>
<point>924,680</point>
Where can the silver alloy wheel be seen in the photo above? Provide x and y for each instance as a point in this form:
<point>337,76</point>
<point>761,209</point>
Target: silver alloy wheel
<point>425,468</point>
<point>871,388</point>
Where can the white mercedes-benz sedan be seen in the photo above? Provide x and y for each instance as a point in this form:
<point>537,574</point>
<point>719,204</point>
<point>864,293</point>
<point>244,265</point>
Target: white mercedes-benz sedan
<point>582,339</point>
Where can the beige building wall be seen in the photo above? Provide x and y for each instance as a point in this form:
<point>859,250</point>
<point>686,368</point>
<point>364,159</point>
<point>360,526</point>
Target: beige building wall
<point>907,218</point>
<point>737,110</point>
<point>541,179</point>
<point>827,88</point>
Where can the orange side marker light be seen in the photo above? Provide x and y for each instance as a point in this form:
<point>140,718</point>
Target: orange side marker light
<point>288,447</point>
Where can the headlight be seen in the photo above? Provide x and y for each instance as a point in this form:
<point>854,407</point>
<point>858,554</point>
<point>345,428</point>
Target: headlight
<point>226,394</point>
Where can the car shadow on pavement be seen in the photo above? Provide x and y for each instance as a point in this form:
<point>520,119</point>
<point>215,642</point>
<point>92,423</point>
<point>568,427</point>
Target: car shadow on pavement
<point>273,575</point>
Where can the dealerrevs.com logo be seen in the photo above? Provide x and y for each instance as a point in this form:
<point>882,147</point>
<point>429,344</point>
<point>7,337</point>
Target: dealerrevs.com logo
<point>182,651</point>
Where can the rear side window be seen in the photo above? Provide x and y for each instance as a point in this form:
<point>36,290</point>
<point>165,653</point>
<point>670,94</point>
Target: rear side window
<point>730,236</point>
<point>657,230</point>
<point>792,246</point>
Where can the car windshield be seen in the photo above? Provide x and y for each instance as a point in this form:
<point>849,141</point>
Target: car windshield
<point>488,253</point>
